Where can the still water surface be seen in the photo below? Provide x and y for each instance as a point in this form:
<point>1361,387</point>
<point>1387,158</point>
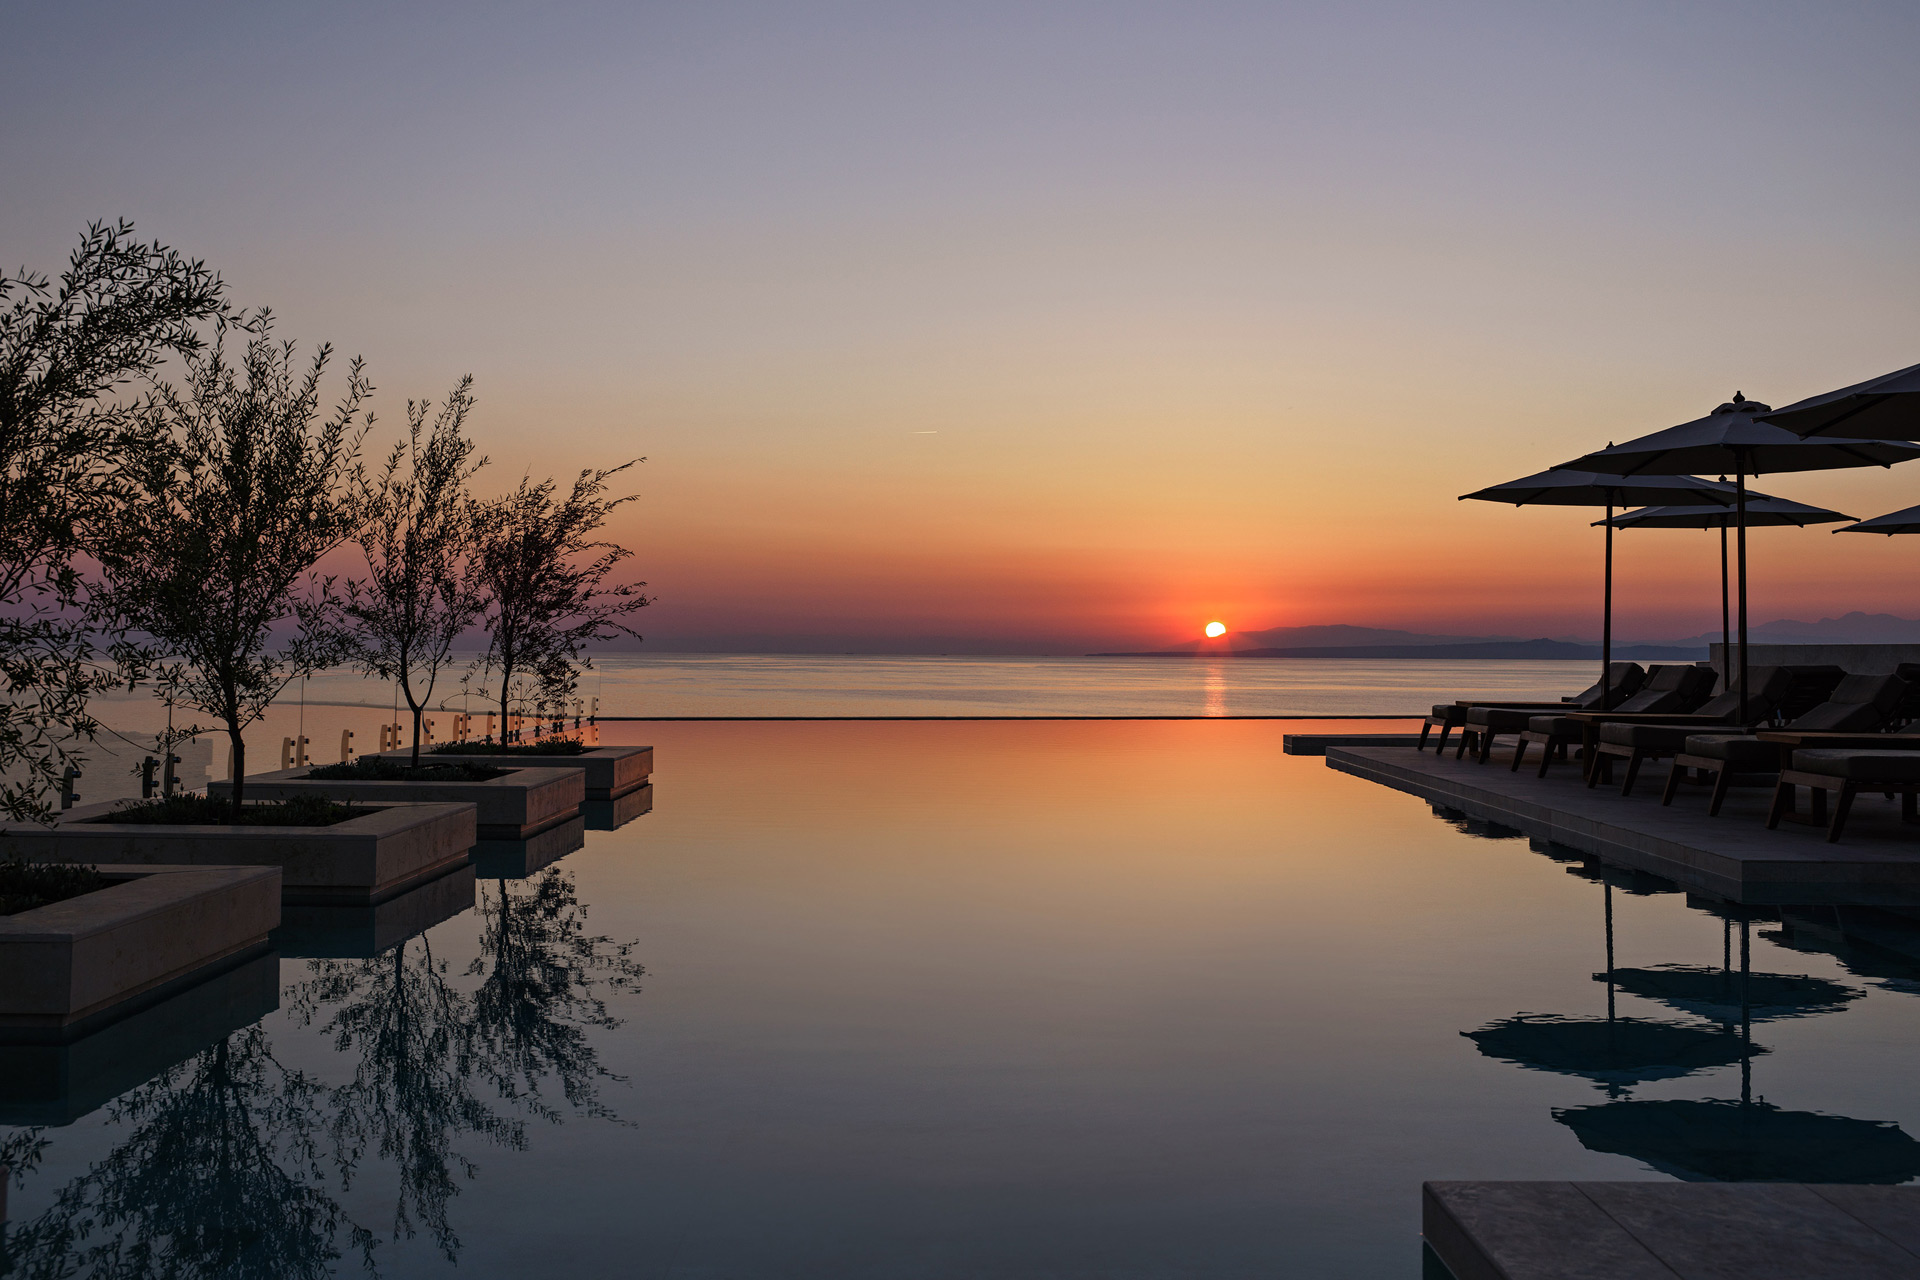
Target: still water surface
<point>1137,999</point>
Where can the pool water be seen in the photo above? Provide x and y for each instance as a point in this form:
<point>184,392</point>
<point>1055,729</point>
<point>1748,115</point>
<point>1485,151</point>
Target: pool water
<point>1104,999</point>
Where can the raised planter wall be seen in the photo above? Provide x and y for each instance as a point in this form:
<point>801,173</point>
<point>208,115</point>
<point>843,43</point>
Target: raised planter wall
<point>513,806</point>
<point>67,967</point>
<point>367,858</point>
<point>611,772</point>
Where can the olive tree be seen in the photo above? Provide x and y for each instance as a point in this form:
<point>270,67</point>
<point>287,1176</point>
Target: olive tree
<point>67,349</point>
<point>417,527</point>
<point>238,484</point>
<point>544,575</point>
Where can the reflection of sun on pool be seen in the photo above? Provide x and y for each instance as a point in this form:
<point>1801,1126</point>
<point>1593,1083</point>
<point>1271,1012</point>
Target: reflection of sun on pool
<point>1215,630</point>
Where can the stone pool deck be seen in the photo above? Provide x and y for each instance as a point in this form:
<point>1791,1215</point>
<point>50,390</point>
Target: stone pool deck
<point>1732,856</point>
<point>1672,1230</point>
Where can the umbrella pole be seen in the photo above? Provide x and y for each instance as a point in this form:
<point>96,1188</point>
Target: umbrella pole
<point>1606,894</point>
<point>1606,622</point>
<point>1727,630</point>
<point>1740,496</point>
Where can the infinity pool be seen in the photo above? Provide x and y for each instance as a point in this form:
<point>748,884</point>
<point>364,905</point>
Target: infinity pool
<point>1133,999</point>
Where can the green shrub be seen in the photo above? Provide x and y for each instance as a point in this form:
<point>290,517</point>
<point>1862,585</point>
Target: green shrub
<point>190,810</point>
<point>550,747</point>
<point>26,885</point>
<point>396,769</point>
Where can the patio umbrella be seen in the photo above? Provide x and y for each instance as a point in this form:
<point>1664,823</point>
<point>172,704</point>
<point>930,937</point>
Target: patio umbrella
<point>1905,520</point>
<point>1732,438</point>
<point>1761,510</point>
<point>1883,408</point>
<point>1562,487</point>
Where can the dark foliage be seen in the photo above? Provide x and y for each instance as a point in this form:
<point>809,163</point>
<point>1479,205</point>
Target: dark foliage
<point>417,531</point>
<point>544,574</point>
<point>388,769</point>
<point>549,747</point>
<point>237,488</point>
<point>189,810</point>
<point>66,351</point>
<point>26,885</point>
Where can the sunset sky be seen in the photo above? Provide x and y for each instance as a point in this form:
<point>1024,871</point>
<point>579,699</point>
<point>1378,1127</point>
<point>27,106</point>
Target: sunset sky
<point>1042,328</point>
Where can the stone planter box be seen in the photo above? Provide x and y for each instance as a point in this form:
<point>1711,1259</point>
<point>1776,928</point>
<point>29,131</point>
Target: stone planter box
<point>611,815</point>
<point>368,858</point>
<point>359,931</point>
<point>70,967</point>
<point>611,771</point>
<point>513,806</point>
<point>56,1084</point>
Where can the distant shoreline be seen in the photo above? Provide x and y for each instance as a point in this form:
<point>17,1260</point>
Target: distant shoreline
<point>1488,651</point>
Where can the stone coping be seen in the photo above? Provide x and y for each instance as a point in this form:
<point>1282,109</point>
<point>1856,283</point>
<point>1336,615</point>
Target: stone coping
<point>56,1084</point>
<point>65,964</point>
<point>1673,1230</point>
<point>611,772</point>
<point>524,800</point>
<point>367,858</point>
<point>1732,856</point>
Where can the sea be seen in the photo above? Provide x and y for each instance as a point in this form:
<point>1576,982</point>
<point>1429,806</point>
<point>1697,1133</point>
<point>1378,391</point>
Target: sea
<point>675,685</point>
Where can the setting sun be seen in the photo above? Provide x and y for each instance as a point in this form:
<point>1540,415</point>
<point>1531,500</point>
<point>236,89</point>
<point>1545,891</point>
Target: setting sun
<point>1215,630</point>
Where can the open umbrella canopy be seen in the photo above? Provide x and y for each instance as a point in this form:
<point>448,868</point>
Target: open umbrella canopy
<point>1732,438</point>
<point>1905,520</point>
<point>1611,1052</point>
<point>1724,1141</point>
<point>1761,510</point>
<point>1726,995</point>
<point>1882,408</point>
<point>1564,488</point>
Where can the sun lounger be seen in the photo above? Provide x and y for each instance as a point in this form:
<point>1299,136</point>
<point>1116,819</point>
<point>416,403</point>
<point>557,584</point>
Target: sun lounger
<point>1638,739</point>
<point>1671,689</point>
<point>1858,704</point>
<point>1484,720</point>
<point>1847,773</point>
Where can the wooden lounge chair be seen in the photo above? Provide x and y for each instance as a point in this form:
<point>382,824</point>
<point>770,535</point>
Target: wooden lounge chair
<point>1848,773</point>
<point>1485,720</point>
<point>1672,689</point>
<point>1638,739</point>
<point>1858,704</point>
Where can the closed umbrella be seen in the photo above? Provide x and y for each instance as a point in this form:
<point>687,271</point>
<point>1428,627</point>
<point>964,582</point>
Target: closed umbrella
<point>1732,438</point>
<point>1761,510</point>
<point>1882,408</point>
<point>1561,487</point>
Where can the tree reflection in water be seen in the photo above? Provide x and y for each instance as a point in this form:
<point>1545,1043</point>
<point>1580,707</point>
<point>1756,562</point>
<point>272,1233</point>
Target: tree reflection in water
<point>223,1168</point>
<point>219,1176</point>
<point>543,982</point>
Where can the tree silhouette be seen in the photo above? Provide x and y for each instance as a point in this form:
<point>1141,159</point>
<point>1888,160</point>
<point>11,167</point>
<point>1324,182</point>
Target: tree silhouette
<point>66,348</point>
<point>417,536</point>
<point>236,489</point>
<point>543,573</point>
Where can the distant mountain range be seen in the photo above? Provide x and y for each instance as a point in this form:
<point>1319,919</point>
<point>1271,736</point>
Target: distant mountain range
<point>1342,641</point>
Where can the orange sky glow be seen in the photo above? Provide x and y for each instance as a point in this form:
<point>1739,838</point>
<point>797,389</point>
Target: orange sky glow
<point>998,329</point>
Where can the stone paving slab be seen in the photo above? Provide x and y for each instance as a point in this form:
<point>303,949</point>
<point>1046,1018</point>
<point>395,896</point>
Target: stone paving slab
<point>1672,1230</point>
<point>1732,856</point>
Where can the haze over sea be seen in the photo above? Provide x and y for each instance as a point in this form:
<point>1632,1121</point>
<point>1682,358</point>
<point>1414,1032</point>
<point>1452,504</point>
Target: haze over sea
<point>670,685</point>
